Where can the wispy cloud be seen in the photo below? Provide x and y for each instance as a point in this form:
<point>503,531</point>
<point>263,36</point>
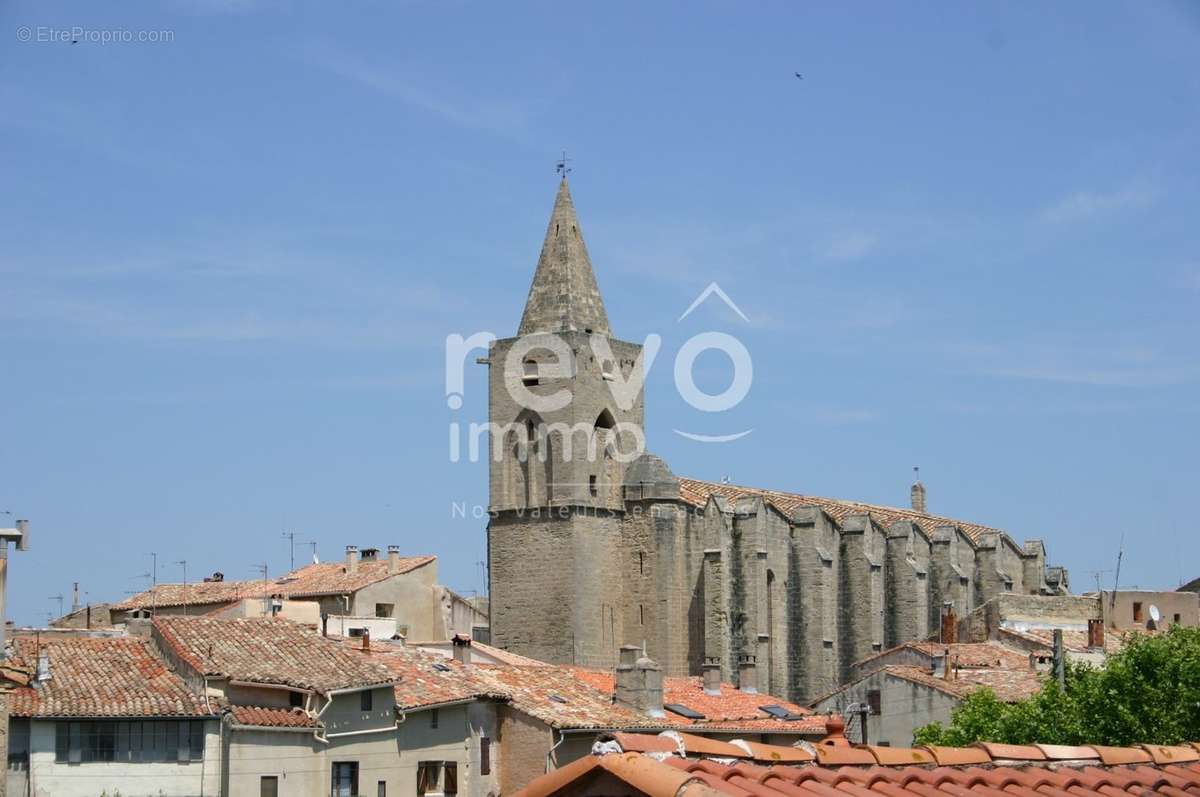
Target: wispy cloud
<point>403,83</point>
<point>1115,365</point>
<point>1086,205</point>
<point>851,246</point>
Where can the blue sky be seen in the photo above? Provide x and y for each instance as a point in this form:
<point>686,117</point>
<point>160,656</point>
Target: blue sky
<point>967,240</point>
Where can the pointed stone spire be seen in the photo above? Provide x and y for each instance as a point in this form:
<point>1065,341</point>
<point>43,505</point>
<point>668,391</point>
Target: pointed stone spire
<point>564,295</point>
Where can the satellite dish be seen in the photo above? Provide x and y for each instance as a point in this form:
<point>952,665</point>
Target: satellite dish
<point>1155,614</point>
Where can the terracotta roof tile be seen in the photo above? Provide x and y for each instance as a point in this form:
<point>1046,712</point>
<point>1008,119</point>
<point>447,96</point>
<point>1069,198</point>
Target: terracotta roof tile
<point>333,578</point>
<point>427,679</point>
<point>272,717</point>
<point>1111,756</point>
<point>1063,752</point>
<point>1167,754</point>
<point>696,493</point>
<point>201,593</point>
<point>957,756</point>
<point>1009,685</point>
<point>100,677</point>
<point>961,772</point>
<point>325,578</point>
<point>1015,752</point>
<point>269,651</point>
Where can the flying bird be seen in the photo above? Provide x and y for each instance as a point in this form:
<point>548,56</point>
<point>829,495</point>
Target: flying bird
<point>800,76</point>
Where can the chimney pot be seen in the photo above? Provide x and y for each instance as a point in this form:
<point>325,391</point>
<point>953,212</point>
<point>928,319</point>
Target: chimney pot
<point>366,640</point>
<point>638,682</point>
<point>393,558</point>
<point>949,629</point>
<point>351,558</point>
<point>747,674</point>
<point>1095,633</point>
<point>712,675</point>
<point>462,648</point>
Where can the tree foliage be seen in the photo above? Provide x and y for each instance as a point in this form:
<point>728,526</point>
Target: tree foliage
<point>1148,692</point>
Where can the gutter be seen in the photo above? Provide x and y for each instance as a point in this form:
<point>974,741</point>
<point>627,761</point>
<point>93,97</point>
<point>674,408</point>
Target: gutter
<point>562,737</point>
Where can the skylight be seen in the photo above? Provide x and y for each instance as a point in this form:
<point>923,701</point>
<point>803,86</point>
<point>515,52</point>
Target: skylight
<point>683,711</point>
<point>441,667</point>
<point>558,699</point>
<point>779,712</point>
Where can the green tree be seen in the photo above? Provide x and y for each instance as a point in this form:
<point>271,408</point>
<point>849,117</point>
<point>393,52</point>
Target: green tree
<point>1149,691</point>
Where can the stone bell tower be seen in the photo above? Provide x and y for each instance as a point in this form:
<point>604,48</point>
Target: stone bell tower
<point>565,406</point>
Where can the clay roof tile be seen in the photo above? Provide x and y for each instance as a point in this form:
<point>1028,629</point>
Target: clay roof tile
<point>1013,752</point>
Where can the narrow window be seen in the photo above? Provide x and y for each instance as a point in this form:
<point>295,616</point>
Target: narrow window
<point>450,778</point>
<point>268,786</point>
<point>433,718</point>
<point>197,737</point>
<point>1178,617</point>
<point>873,701</point>
<point>642,613</point>
<point>344,779</point>
<point>364,700</point>
<point>641,563</point>
<point>485,755</point>
<point>1137,611</point>
<point>381,789</point>
<point>592,486</point>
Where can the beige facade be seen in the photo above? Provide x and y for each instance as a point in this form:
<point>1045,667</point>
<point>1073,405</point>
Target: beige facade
<point>1135,609</point>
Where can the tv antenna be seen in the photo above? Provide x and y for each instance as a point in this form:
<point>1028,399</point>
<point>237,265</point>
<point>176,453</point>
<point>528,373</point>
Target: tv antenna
<point>59,598</point>
<point>183,563</point>
<point>290,536</point>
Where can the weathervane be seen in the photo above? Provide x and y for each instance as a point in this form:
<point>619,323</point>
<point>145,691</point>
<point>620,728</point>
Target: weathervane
<point>561,167</point>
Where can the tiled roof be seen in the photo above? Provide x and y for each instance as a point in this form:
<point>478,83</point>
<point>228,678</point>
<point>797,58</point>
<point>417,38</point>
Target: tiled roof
<point>1073,640</point>
<point>268,651</point>
<point>571,697</point>
<point>100,677</point>
<point>199,594</point>
<point>427,679</point>
<point>733,706</point>
<point>272,717</point>
<point>566,697</point>
<point>980,771</point>
<point>697,492</point>
<point>964,654</point>
<point>1009,685</point>
<point>326,578</point>
<point>333,578</point>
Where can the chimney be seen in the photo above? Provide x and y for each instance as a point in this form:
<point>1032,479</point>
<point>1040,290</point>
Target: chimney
<point>393,558</point>
<point>23,527</point>
<point>747,676</point>
<point>1096,634</point>
<point>366,638</point>
<point>939,663</point>
<point>949,630</point>
<point>351,558</point>
<point>712,675</point>
<point>462,648</point>
<point>835,732</point>
<point>638,682</point>
<point>75,597</point>
<point>917,495</point>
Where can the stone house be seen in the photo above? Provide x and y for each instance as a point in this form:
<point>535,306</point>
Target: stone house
<point>106,715</point>
<point>387,595</point>
<point>594,543</point>
<point>896,692</point>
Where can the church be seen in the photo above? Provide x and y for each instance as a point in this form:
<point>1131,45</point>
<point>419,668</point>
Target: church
<point>590,549</point>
